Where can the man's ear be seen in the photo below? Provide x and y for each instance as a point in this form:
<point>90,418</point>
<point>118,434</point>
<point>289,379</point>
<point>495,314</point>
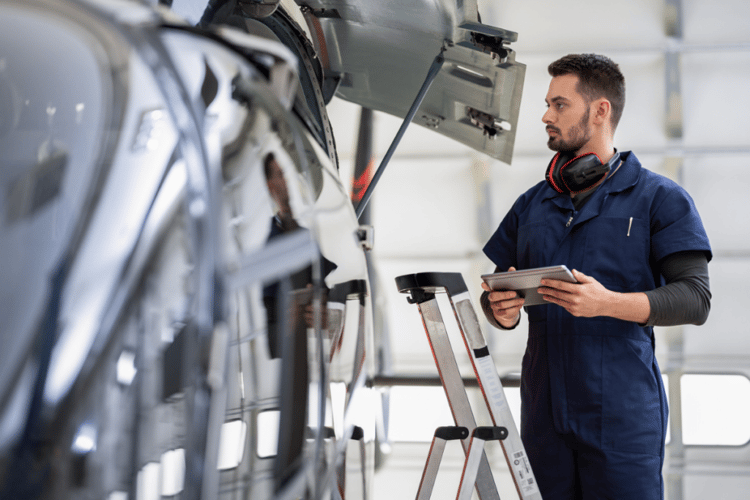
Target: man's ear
<point>602,110</point>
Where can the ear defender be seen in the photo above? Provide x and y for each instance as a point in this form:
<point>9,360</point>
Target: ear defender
<point>568,175</point>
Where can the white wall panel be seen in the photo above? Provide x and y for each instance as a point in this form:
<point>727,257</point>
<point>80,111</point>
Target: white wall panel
<point>508,182</point>
<point>716,21</point>
<point>642,124</point>
<point>716,98</point>
<point>719,185</point>
<point>577,25</point>
<point>726,331</point>
<point>530,135</point>
<point>426,209</point>
<point>714,484</point>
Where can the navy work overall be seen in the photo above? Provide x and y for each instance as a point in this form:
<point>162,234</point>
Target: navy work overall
<point>594,410</point>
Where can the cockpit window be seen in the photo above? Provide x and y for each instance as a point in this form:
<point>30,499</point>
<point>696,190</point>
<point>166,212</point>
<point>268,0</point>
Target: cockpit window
<point>52,99</point>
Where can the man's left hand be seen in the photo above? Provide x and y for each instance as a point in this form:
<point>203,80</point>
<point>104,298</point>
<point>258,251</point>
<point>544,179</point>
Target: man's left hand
<point>587,298</point>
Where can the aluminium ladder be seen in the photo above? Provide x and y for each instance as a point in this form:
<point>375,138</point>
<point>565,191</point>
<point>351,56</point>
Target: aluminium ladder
<point>422,288</point>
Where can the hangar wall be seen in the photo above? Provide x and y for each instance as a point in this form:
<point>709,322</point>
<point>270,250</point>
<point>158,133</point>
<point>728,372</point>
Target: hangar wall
<point>687,70</point>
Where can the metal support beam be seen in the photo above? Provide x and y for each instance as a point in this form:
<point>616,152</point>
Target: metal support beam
<point>676,449</point>
<point>673,121</point>
<point>673,90</point>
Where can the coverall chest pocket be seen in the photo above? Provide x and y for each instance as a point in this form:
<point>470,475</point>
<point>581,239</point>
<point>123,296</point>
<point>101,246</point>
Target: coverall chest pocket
<point>617,252</point>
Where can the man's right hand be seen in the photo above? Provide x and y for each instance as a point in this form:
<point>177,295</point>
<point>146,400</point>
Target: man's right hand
<point>506,304</point>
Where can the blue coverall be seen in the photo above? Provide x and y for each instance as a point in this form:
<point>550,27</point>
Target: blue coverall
<point>593,406</point>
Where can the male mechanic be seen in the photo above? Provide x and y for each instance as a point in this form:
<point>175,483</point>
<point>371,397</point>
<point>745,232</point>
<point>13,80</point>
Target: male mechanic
<point>593,406</point>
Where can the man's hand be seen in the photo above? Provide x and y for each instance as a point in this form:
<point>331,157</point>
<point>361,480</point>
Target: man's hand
<point>506,305</point>
<point>589,298</point>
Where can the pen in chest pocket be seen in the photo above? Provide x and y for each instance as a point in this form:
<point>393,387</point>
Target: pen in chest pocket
<point>630,224</point>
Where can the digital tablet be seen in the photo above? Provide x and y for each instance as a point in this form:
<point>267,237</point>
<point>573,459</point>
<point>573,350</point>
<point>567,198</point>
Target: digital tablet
<point>527,281</point>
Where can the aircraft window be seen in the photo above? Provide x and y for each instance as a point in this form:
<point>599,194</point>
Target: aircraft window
<point>268,433</point>
<point>48,126</point>
<point>126,369</point>
<point>147,482</point>
<point>85,440</point>
<point>172,472</point>
<point>715,409</point>
<point>338,405</point>
<point>232,444</point>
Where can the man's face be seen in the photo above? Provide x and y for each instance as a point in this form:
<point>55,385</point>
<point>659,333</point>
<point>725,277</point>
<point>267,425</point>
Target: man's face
<point>277,187</point>
<point>567,116</point>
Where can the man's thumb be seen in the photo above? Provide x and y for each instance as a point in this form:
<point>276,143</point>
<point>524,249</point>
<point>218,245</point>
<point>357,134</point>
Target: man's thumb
<point>580,277</point>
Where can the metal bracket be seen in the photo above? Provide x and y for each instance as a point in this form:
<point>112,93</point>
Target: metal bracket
<point>366,237</point>
<point>488,123</point>
<point>419,296</point>
<point>491,44</point>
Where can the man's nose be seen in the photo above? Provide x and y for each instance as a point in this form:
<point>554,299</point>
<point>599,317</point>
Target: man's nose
<point>547,116</point>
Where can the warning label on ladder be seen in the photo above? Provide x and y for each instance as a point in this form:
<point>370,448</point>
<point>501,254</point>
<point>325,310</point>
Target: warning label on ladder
<point>523,471</point>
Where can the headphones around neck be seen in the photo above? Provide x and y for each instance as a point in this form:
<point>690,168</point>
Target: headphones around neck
<point>570,175</point>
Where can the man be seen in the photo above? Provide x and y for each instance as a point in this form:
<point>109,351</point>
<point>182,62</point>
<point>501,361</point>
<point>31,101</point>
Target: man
<point>274,295</point>
<point>283,221</point>
<point>594,410</point>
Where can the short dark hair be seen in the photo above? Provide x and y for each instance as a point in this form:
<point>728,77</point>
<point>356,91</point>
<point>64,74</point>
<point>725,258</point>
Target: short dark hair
<point>598,76</point>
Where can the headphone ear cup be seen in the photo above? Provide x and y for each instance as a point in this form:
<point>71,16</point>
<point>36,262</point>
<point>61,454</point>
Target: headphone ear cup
<point>583,172</point>
<point>553,174</point>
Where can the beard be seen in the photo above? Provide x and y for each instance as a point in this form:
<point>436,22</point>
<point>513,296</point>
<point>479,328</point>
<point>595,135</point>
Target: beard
<point>578,136</point>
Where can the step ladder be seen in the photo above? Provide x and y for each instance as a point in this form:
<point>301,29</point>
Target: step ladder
<point>422,288</point>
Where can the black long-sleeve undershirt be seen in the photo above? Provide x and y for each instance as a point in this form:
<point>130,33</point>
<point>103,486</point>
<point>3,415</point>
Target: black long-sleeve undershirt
<point>686,296</point>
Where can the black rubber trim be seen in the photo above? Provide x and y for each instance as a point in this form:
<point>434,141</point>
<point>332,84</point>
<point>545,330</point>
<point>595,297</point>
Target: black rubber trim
<point>348,289</point>
<point>357,433</point>
<point>481,352</point>
<point>451,432</point>
<point>490,433</point>
<point>453,283</point>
